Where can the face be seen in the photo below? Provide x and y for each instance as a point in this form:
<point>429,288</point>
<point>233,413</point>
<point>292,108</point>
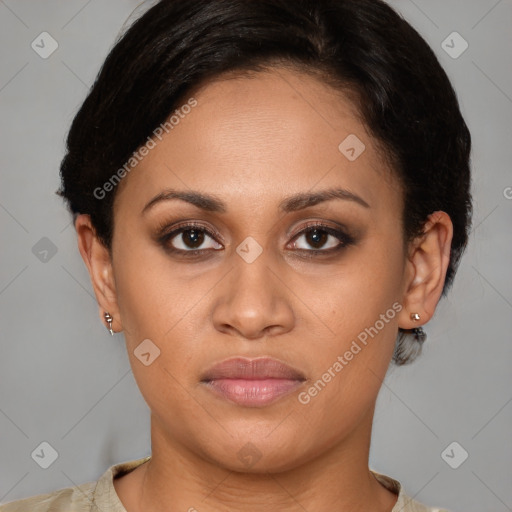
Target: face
<point>294,251</point>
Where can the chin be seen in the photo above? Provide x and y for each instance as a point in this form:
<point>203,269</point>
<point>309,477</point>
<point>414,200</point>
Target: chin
<point>259,453</point>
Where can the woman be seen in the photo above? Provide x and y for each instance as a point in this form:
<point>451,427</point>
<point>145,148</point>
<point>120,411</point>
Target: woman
<point>270,197</point>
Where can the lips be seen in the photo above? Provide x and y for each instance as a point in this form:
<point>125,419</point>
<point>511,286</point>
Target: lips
<point>252,369</point>
<point>252,382</point>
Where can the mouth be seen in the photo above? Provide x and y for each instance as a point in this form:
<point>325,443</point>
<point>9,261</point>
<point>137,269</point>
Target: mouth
<point>252,382</point>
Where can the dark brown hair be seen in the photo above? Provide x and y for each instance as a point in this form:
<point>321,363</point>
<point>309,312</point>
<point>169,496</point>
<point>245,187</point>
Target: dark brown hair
<point>405,98</point>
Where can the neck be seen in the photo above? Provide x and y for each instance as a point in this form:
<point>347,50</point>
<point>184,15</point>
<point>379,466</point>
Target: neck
<point>174,479</point>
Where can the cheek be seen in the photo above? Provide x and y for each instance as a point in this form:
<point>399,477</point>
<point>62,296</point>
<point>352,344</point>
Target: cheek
<point>150,290</point>
<point>159,305</point>
<point>365,287</point>
<point>161,338</point>
<point>361,306</point>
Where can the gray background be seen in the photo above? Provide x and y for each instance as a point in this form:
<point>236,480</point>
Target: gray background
<point>65,381</point>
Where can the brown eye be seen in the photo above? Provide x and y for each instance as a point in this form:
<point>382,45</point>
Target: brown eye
<point>192,239</point>
<point>319,238</point>
<point>189,239</point>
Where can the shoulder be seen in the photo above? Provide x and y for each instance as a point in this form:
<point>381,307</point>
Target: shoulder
<point>70,499</point>
<point>404,502</point>
<point>97,496</point>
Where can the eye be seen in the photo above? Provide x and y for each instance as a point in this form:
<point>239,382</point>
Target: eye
<point>194,239</point>
<point>190,238</point>
<point>322,238</point>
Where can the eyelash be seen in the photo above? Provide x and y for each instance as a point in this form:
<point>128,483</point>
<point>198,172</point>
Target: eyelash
<point>164,239</point>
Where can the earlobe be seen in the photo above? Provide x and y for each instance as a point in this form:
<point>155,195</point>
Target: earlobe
<point>428,261</point>
<point>98,261</point>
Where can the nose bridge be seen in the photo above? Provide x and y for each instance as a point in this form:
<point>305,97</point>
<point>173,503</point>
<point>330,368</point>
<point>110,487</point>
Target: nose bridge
<point>251,299</point>
<point>252,276</point>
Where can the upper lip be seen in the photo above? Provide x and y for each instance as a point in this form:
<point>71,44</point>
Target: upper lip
<point>252,369</point>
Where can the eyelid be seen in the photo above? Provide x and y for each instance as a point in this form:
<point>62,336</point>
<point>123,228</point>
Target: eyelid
<point>320,224</point>
<point>164,233</point>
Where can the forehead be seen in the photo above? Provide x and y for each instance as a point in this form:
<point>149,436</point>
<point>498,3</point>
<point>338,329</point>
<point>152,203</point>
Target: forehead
<point>260,137</point>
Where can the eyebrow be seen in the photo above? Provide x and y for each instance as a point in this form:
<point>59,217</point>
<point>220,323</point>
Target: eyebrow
<point>290,204</point>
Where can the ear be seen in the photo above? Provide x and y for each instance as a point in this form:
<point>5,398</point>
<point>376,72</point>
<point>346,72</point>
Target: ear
<point>427,263</point>
<point>97,258</point>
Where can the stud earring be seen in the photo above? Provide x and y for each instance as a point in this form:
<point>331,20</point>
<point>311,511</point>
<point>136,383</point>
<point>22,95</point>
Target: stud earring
<point>109,319</point>
<point>419,334</point>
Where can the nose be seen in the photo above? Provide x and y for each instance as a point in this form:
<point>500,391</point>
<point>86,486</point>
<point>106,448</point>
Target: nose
<point>254,300</point>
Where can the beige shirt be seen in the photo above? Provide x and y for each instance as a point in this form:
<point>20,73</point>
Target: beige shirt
<point>101,496</point>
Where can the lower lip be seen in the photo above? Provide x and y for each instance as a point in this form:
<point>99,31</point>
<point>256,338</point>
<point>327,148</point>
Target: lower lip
<point>253,393</point>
